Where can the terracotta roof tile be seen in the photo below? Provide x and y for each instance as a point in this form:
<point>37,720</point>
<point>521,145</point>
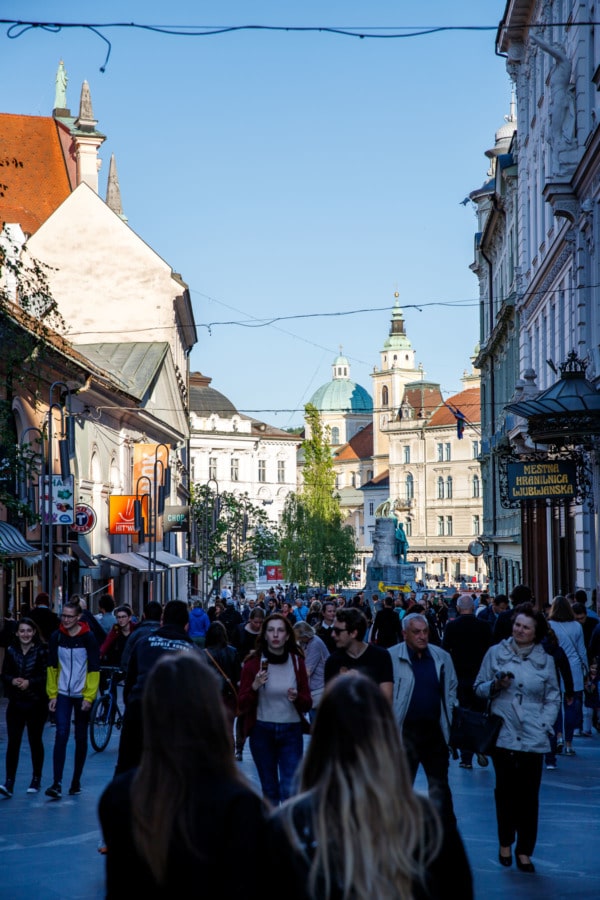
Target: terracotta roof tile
<point>33,174</point>
<point>358,447</point>
<point>467,402</point>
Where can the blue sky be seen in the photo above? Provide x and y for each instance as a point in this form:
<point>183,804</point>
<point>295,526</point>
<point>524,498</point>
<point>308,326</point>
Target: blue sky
<point>285,173</point>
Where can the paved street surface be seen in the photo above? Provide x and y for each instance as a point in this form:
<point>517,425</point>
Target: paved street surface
<point>49,849</point>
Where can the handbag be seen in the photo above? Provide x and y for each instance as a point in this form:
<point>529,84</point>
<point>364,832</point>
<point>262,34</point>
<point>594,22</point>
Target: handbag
<point>474,730</point>
<point>230,694</point>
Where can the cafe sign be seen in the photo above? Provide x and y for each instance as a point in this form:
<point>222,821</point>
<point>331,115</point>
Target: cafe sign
<point>542,480</point>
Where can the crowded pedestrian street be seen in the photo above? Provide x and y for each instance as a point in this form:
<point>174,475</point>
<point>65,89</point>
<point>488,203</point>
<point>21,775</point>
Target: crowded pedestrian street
<point>50,848</point>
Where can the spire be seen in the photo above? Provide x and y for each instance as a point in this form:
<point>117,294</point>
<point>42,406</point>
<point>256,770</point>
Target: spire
<point>60,92</point>
<point>85,120</point>
<point>113,191</point>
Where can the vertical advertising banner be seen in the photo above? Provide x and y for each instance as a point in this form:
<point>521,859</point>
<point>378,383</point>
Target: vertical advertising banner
<point>63,506</point>
<point>147,458</point>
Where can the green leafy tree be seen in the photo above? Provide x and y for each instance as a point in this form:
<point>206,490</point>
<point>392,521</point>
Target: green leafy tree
<point>29,318</point>
<point>233,530</point>
<point>315,546</point>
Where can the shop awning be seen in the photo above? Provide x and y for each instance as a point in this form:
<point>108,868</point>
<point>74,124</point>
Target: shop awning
<point>169,560</point>
<point>82,556</point>
<point>12,542</point>
<point>127,561</point>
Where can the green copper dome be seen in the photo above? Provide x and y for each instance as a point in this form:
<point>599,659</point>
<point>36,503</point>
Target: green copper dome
<point>341,394</point>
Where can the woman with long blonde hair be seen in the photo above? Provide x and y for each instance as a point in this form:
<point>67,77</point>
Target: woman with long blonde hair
<point>358,830</point>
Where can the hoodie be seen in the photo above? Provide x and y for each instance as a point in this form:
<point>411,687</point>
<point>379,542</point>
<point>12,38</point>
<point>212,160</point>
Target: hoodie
<point>73,664</point>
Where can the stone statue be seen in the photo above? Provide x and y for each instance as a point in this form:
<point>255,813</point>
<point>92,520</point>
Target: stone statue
<point>561,107</point>
<point>384,542</point>
<point>401,543</point>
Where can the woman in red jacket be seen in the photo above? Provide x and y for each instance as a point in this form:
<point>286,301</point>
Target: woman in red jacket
<point>274,695</point>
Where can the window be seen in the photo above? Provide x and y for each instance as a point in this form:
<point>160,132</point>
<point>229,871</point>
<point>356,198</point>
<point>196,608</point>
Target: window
<point>440,520</point>
<point>262,470</point>
<point>476,486</point>
<point>410,487</point>
<point>408,528</point>
<point>212,468</point>
<point>235,469</point>
<point>449,487</point>
<point>385,397</point>
<point>476,525</point>
<point>449,525</point>
<point>440,488</point>
<point>440,452</point>
<point>475,449</point>
<point>335,435</point>
<point>193,471</point>
<point>371,508</point>
<point>447,453</point>
<point>281,471</point>
<point>406,454</point>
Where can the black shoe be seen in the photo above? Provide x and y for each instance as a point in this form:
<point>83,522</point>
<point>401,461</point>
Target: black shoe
<point>35,785</point>
<point>524,867</point>
<point>6,789</point>
<point>239,756</point>
<point>505,860</point>
<point>54,791</point>
<point>465,765</point>
<point>482,760</point>
<point>75,788</point>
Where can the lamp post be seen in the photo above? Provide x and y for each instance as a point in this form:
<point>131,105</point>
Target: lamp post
<point>211,511</point>
<point>65,449</point>
<point>158,489</point>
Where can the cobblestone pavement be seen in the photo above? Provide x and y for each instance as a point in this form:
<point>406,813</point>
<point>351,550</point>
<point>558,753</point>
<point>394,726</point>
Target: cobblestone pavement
<point>49,848</point>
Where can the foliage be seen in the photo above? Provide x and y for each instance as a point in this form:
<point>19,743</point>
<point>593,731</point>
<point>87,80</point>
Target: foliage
<point>231,528</point>
<point>28,316</point>
<point>315,546</point>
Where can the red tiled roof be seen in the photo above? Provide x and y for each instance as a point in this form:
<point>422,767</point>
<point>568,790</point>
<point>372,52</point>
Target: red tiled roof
<point>467,402</point>
<point>358,447</point>
<point>426,397</point>
<point>33,174</point>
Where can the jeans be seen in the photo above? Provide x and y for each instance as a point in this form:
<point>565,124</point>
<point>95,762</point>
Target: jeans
<point>66,708</point>
<point>573,715</point>
<point>18,718</point>
<point>276,749</point>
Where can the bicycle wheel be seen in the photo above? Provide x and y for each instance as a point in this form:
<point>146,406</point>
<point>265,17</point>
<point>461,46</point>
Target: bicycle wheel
<point>101,722</point>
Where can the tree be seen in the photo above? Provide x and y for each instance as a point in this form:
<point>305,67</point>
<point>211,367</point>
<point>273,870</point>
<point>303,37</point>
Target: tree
<point>232,530</point>
<point>315,546</point>
<point>29,319</point>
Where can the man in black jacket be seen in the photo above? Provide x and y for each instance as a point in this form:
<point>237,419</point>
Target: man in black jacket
<point>171,637</point>
<point>467,639</point>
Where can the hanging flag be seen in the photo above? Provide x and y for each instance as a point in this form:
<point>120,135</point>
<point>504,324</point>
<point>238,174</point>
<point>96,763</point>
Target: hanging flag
<point>460,423</point>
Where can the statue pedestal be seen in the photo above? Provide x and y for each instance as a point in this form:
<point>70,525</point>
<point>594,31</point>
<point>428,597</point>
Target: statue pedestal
<point>395,577</point>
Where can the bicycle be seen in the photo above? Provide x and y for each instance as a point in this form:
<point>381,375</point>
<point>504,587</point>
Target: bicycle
<point>105,713</point>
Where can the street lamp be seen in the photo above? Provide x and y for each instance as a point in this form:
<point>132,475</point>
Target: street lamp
<point>211,512</point>
<point>65,449</point>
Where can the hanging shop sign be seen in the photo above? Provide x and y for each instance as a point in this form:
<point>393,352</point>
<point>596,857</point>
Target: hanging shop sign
<point>121,516</point>
<point>84,520</point>
<point>176,518</point>
<point>537,480</point>
<point>60,511</point>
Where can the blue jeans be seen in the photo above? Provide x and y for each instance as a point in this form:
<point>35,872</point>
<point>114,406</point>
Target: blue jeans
<point>66,708</point>
<point>276,749</point>
<point>573,716</point>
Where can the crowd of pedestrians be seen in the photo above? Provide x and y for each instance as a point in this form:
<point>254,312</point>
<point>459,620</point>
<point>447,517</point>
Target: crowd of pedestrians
<point>367,680</point>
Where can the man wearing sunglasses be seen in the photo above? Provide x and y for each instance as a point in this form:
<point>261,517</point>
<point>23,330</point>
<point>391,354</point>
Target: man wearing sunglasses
<point>354,653</point>
<point>72,683</point>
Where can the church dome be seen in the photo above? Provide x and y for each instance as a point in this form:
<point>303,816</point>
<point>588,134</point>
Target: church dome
<point>205,401</point>
<point>341,394</point>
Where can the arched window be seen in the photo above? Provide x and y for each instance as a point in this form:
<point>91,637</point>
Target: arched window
<point>385,397</point>
<point>449,487</point>
<point>410,487</point>
<point>335,435</point>
<point>476,486</point>
<point>440,488</point>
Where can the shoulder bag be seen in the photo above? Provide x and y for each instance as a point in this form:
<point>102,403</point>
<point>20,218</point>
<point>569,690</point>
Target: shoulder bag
<point>474,730</point>
<point>230,694</point>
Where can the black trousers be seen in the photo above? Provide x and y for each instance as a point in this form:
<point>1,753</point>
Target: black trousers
<point>517,792</point>
<point>131,742</point>
<point>425,745</point>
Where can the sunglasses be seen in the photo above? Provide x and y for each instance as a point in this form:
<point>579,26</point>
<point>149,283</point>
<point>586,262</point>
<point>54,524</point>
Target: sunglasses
<point>338,630</point>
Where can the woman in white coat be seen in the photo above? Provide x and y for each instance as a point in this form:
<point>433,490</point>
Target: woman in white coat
<point>520,678</point>
<point>569,632</point>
